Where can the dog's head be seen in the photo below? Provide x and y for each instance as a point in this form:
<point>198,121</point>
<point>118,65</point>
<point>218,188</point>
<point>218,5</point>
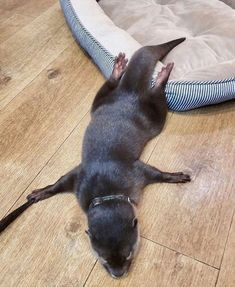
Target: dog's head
<point>114,236</point>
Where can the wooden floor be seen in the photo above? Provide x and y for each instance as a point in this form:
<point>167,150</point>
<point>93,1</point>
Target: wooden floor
<point>47,85</point>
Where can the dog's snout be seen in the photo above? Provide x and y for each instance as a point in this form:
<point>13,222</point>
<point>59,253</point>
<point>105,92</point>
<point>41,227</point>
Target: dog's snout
<point>117,273</point>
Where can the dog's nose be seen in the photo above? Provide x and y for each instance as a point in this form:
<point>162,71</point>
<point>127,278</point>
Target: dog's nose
<point>117,273</point>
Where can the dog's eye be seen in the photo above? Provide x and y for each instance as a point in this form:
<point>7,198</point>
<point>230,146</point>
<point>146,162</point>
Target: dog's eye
<point>129,256</point>
<point>134,222</point>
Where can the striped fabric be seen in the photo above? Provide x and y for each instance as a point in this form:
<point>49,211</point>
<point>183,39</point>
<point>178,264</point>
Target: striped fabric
<point>181,95</point>
<point>102,58</point>
<point>187,95</point>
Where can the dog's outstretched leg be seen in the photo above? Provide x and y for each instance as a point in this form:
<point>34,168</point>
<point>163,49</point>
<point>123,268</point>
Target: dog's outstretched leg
<point>118,70</point>
<point>65,183</point>
<point>150,174</point>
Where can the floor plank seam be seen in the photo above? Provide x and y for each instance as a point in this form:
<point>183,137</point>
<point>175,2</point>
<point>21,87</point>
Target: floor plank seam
<point>38,74</point>
<point>188,256</point>
<point>52,37</point>
<point>90,273</point>
<point>217,278</point>
<point>231,222</point>
<point>41,170</point>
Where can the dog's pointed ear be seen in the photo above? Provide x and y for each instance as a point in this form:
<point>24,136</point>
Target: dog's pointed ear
<point>134,222</point>
<point>88,233</point>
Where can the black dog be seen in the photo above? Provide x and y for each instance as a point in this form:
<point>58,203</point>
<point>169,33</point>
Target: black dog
<point>126,114</point>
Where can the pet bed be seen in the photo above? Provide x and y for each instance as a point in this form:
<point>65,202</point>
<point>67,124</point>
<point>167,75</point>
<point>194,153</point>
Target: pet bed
<point>204,71</point>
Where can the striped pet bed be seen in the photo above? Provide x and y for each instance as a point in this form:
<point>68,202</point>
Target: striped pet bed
<point>204,72</point>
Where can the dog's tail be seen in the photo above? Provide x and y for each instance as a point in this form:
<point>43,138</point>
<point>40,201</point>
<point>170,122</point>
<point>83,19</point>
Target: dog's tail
<point>14,214</point>
<point>141,66</point>
<point>160,51</point>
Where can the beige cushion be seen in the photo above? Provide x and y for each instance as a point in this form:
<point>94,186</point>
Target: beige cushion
<point>209,26</point>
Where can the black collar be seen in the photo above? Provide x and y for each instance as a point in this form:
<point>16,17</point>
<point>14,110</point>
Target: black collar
<point>99,200</point>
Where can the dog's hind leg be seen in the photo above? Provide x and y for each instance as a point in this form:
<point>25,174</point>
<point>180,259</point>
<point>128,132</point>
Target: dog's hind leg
<point>118,71</point>
<point>66,183</point>
<point>119,67</point>
<point>149,174</point>
<point>163,76</point>
<point>154,101</point>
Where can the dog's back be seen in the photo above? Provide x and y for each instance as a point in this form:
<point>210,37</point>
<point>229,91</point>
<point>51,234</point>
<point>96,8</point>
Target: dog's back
<point>125,120</point>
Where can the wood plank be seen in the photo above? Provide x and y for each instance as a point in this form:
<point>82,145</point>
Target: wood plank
<point>32,8</point>
<point>158,266</point>
<point>24,55</point>
<point>227,274</point>
<point>12,25</point>
<point>194,218</point>
<point>35,124</point>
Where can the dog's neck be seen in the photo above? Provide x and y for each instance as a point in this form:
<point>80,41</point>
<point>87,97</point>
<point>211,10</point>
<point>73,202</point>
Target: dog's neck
<point>99,200</point>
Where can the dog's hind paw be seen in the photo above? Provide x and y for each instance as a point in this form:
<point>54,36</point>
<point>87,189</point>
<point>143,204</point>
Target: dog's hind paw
<point>119,66</point>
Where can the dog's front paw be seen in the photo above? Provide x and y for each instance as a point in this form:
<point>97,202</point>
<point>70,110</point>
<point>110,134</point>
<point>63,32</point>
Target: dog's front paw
<point>179,177</point>
<point>37,195</point>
